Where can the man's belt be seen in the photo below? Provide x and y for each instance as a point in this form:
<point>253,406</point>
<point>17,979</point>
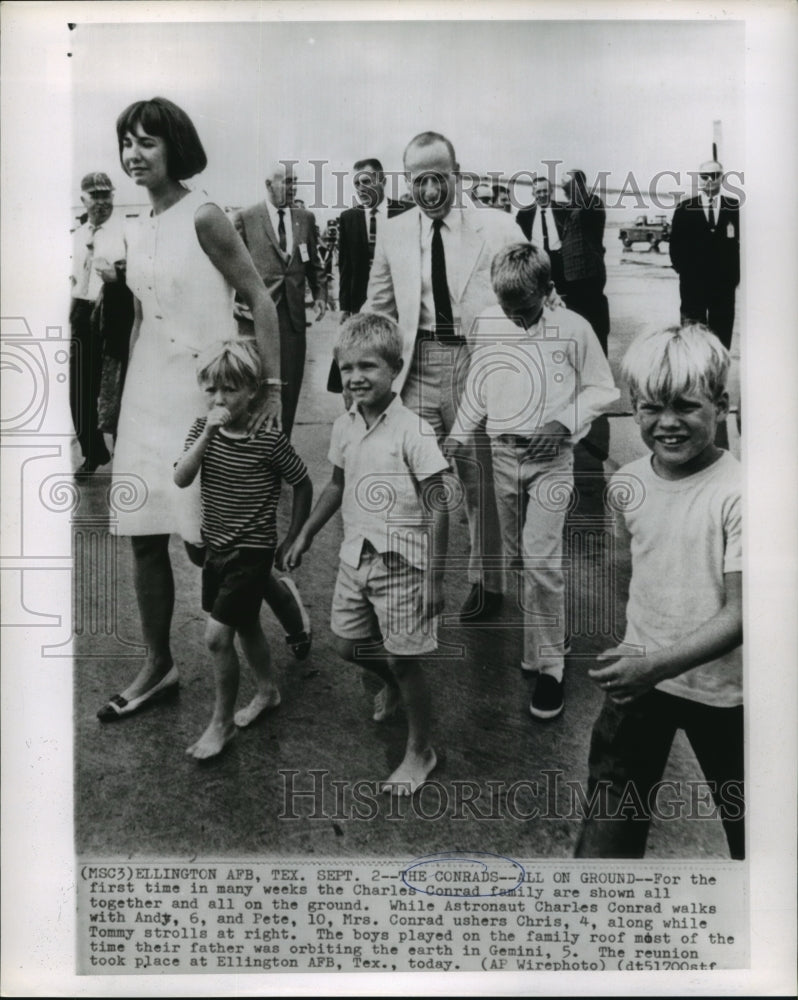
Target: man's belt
<point>442,337</point>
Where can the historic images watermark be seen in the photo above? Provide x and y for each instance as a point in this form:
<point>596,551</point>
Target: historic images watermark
<point>315,795</point>
<point>319,186</point>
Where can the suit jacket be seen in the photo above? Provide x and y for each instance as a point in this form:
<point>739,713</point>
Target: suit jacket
<point>701,255</point>
<point>283,276</point>
<point>582,240</point>
<point>353,254</point>
<point>526,218</point>
<point>395,282</point>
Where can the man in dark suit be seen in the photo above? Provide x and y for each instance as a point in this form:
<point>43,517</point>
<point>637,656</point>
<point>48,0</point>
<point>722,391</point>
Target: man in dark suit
<point>357,233</point>
<point>281,239</point>
<point>582,239</point>
<point>542,224</point>
<point>357,236</point>
<point>705,252</point>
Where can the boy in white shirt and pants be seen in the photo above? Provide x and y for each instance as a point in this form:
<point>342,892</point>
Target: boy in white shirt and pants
<point>540,377</point>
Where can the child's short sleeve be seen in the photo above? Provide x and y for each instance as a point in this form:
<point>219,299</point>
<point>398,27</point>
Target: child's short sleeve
<point>286,461</point>
<point>422,454</point>
<point>196,429</point>
<point>336,452</point>
<point>733,534</point>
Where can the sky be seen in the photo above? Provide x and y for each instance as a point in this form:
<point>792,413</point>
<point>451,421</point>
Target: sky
<point>615,96</point>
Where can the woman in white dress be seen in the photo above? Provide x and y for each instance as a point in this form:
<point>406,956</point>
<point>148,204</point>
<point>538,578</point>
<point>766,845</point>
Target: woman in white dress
<point>185,263</point>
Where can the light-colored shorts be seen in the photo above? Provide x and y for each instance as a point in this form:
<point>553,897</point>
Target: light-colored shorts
<point>385,596</point>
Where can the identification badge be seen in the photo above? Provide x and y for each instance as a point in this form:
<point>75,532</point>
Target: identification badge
<point>730,231</point>
<point>303,252</point>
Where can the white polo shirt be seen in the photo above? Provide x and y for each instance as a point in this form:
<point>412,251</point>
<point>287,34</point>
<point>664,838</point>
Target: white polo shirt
<point>383,466</point>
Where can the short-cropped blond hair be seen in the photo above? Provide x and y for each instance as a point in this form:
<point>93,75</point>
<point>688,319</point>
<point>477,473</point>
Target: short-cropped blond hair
<point>235,362</point>
<point>371,330</point>
<point>678,361</point>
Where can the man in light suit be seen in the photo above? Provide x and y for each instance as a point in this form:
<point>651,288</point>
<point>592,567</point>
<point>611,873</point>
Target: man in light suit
<point>431,273</point>
<point>357,234</point>
<point>705,252</point>
<point>281,239</point>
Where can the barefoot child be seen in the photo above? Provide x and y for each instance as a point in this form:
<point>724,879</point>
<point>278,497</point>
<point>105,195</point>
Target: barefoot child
<point>240,486</point>
<point>386,469</point>
<point>680,665</point>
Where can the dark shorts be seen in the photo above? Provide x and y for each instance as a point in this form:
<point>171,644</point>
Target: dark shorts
<point>233,582</point>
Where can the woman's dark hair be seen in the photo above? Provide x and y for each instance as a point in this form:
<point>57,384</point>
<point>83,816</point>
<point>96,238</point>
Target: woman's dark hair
<point>185,156</point>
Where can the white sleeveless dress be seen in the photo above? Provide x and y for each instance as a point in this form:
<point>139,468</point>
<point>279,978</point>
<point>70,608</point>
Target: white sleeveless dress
<point>186,306</point>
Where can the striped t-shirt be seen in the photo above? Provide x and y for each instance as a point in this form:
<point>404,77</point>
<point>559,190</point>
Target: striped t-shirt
<point>240,485</point>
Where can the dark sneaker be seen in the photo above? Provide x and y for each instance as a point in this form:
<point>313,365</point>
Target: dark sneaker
<point>480,606</point>
<point>89,466</point>
<point>547,701</point>
<point>298,642</point>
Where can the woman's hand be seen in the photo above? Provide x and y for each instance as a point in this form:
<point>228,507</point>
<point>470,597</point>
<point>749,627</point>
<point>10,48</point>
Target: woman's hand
<point>268,410</point>
<point>226,251</point>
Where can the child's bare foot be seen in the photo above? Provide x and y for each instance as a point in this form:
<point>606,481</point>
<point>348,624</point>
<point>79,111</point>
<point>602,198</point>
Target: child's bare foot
<point>213,740</point>
<point>411,773</point>
<point>262,700</point>
<point>386,702</point>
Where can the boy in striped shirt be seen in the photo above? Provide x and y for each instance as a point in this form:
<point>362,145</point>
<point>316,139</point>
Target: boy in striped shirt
<point>240,472</point>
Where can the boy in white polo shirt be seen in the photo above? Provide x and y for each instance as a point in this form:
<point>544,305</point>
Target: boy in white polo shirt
<point>540,378</point>
<point>387,480</point>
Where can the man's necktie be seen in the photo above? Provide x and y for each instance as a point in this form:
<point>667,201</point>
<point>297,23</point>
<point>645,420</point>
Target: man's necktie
<point>711,215</point>
<point>444,321</point>
<point>281,229</point>
<point>372,232</point>
<point>545,229</point>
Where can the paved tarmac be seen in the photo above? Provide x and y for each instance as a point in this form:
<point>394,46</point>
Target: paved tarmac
<point>502,783</point>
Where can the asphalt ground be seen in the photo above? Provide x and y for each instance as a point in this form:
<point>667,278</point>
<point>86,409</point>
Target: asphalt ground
<point>502,784</point>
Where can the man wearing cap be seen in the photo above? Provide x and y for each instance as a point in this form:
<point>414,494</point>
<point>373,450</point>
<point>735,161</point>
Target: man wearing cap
<point>705,252</point>
<point>98,257</point>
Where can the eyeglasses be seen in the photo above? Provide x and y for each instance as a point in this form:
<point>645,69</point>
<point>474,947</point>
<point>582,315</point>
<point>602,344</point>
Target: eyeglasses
<point>709,177</point>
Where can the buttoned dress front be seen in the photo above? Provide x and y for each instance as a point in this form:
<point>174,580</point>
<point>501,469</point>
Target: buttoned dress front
<point>186,305</point>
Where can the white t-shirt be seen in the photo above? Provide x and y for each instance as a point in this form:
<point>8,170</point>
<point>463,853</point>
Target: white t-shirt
<point>685,534</point>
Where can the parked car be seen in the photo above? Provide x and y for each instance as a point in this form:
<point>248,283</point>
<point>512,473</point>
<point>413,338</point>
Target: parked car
<point>643,231</point>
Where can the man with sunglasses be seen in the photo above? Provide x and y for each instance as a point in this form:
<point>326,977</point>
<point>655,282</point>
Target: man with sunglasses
<point>705,252</point>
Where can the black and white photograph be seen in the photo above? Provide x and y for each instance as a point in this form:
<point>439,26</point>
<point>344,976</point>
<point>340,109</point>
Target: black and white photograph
<point>349,306</point>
